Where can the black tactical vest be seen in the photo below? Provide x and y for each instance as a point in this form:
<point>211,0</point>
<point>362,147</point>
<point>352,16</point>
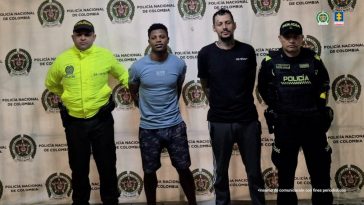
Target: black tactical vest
<point>295,83</point>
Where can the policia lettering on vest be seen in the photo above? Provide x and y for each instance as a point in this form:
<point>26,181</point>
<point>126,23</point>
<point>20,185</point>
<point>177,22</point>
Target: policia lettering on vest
<point>294,83</point>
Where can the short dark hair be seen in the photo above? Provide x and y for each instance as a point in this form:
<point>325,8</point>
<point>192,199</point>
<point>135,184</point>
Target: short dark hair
<point>220,13</point>
<point>157,26</point>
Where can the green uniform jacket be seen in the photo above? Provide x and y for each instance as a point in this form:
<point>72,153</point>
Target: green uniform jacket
<point>81,79</point>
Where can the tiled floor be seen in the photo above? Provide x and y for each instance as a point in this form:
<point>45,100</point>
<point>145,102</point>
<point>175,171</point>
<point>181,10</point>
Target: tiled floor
<point>302,202</point>
<point>307,202</point>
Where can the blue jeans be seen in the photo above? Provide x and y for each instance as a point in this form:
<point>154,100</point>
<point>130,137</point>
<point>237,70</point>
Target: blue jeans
<point>248,137</point>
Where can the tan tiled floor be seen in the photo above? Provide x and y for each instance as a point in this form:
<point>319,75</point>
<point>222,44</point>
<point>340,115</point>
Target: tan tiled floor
<point>306,202</point>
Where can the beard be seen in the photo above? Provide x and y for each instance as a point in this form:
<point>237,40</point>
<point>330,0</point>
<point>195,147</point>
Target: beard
<point>227,39</point>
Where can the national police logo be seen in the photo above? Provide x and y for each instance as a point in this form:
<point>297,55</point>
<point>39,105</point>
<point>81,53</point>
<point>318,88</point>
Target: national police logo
<point>149,49</point>
<point>342,5</point>
<point>50,101</point>
<point>120,11</point>
<point>50,13</point>
<point>130,184</point>
<point>312,43</point>
<point>193,95</point>
<point>164,152</point>
<point>58,186</point>
<point>265,7</point>
<point>203,181</point>
<point>346,89</point>
<point>22,148</point>
<point>122,97</point>
<point>18,62</point>
<point>235,149</point>
<point>1,189</point>
<point>270,177</point>
<point>350,178</point>
<point>69,70</point>
<point>322,18</point>
<point>191,9</point>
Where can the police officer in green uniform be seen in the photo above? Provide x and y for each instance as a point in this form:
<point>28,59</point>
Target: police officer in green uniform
<point>294,83</point>
<point>80,77</point>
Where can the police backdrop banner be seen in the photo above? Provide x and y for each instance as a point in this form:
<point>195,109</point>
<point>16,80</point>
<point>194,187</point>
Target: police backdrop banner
<point>33,149</point>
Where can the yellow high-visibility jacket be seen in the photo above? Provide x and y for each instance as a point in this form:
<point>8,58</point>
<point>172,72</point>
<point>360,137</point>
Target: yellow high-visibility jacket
<point>81,79</point>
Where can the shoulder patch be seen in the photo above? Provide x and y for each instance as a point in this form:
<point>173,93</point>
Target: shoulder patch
<point>323,95</point>
<point>317,57</point>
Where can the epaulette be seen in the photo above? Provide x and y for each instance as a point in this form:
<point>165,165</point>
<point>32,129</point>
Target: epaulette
<point>271,54</point>
<point>317,57</point>
<point>310,52</point>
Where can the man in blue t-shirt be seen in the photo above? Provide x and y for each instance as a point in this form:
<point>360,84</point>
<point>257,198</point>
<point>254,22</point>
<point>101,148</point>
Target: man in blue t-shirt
<point>155,83</point>
<point>227,70</point>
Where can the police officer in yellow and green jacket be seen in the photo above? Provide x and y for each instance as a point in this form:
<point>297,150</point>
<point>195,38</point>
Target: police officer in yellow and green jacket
<point>80,77</point>
<point>294,83</point>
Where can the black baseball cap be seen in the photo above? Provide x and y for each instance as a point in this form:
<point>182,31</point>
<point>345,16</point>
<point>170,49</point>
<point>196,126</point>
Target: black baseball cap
<point>290,27</point>
<point>83,25</point>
